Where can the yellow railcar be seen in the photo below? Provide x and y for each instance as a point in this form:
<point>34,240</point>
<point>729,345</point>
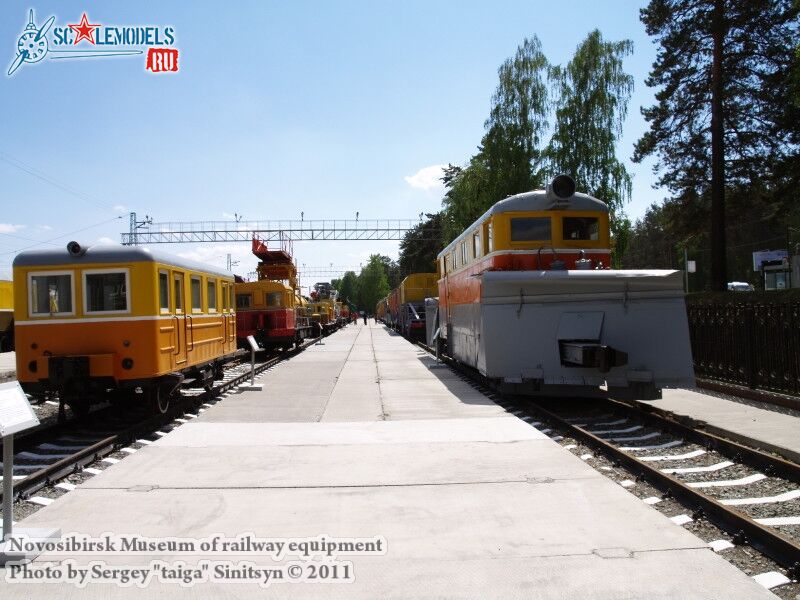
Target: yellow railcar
<point>418,286</point>
<point>6,316</point>
<point>119,320</point>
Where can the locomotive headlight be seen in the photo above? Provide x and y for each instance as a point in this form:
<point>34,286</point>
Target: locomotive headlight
<point>563,186</point>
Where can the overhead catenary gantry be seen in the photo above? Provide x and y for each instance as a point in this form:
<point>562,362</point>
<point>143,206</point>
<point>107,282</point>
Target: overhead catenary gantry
<point>183,232</point>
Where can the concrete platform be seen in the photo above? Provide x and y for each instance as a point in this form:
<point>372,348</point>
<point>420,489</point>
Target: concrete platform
<point>360,437</point>
<point>772,430</point>
<point>8,366</point>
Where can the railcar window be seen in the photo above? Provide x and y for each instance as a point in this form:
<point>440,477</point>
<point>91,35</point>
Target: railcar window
<point>581,228</point>
<point>464,252</point>
<point>51,294</point>
<point>106,292</point>
<point>163,291</point>
<point>230,296</point>
<point>177,284</point>
<point>211,291</point>
<point>244,300</point>
<point>476,245</point>
<point>490,237</point>
<point>453,261</point>
<point>530,229</point>
<point>224,291</point>
<point>197,295</point>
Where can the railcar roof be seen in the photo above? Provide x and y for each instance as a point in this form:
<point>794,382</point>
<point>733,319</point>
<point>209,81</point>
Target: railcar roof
<point>108,254</point>
<point>537,200</point>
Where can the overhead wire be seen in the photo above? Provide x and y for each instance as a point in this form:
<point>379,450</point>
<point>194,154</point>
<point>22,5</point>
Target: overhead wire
<point>63,236</point>
<point>18,164</point>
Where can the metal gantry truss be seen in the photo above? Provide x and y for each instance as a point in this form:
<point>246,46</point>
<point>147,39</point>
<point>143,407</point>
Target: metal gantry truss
<point>334,271</point>
<point>179,232</point>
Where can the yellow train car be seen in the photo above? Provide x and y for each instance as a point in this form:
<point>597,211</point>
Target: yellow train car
<point>418,286</point>
<point>381,308</point>
<point>120,322</point>
<point>6,316</point>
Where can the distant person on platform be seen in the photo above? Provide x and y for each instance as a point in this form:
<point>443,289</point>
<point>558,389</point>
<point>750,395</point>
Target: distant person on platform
<point>365,318</point>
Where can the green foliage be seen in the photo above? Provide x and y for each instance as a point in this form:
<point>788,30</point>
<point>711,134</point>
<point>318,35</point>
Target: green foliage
<point>419,246</point>
<point>760,132</point>
<point>591,104</point>
<point>509,158</point>
<point>759,119</point>
<point>347,287</point>
<point>372,284</point>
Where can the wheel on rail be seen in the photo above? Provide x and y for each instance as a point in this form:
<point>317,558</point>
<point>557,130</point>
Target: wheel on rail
<point>78,406</point>
<point>159,401</point>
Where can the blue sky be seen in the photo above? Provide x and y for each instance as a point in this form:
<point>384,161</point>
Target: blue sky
<point>279,107</point>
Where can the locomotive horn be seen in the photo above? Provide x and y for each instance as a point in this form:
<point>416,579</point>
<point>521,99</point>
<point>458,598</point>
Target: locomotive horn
<point>563,186</point>
<point>75,249</point>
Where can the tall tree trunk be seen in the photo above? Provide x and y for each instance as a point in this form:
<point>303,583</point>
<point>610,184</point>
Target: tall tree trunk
<point>718,245</point>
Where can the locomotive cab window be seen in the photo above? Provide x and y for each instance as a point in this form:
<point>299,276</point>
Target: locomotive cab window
<point>211,291</point>
<point>581,228</point>
<point>274,298</point>
<point>50,293</point>
<point>163,291</point>
<point>105,291</point>
<point>530,229</point>
<point>244,300</point>
<point>197,295</point>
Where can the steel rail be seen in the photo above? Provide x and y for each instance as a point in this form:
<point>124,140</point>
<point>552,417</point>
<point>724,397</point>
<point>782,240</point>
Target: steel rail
<point>101,448</point>
<point>693,430</point>
<point>769,542</point>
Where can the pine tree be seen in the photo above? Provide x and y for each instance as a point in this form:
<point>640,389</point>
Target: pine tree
<point>722,113</point>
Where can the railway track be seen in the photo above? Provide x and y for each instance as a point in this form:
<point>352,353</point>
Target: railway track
<point>752,495</point>
<point>54,452</point>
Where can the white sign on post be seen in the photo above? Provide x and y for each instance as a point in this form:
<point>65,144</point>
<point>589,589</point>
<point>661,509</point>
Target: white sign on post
<point>16,413</point>
<point>691,266</point>
<point>253,343</point>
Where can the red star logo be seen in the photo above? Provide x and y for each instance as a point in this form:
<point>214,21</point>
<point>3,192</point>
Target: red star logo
<point>84,30</point>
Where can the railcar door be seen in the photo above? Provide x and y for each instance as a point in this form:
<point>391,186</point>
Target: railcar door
<point>179,320</point>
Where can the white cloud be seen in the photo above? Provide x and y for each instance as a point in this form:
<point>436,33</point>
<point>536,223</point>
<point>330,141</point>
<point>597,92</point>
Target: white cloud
<point>427,178</point>
<point>9,228</point>
<point>216,255</point>
<point>120,208</point>
<point>104,241</point>
<point>45,227</point>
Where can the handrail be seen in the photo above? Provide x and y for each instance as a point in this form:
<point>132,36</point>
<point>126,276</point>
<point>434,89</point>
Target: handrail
<point>177,335</point>
<point>187,320</point>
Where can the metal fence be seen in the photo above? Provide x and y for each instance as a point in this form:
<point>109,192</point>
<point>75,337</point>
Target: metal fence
<point>748,339</point>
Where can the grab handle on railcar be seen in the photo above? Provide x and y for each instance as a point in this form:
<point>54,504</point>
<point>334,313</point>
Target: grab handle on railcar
<point>189,322</point>
<point>177,335</point>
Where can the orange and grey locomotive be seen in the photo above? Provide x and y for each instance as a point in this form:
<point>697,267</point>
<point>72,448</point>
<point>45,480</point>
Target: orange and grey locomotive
<point>526,298</point>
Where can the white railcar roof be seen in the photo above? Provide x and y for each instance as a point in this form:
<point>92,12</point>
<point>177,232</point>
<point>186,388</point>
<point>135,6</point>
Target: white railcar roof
<point>110,254</point>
